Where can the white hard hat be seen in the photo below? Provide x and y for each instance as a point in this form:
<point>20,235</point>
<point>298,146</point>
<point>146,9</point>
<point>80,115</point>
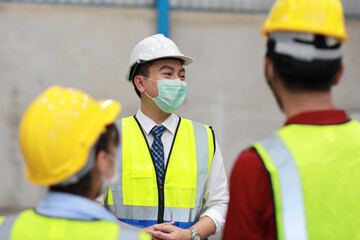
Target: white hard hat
<point>154,47</point>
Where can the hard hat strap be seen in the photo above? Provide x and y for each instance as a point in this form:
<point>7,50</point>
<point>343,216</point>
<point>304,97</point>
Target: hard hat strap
<point>89,164</point>
<point>301,46</point>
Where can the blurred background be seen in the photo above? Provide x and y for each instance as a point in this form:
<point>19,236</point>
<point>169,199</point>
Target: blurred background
<point>86,44</point>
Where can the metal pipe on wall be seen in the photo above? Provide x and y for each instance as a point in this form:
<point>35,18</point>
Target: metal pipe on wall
<point>163,17</point>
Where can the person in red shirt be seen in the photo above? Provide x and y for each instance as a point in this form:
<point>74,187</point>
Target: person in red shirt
<point>295,184</point>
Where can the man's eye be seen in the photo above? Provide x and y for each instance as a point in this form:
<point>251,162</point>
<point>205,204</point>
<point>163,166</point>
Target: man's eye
<point>167,75</point>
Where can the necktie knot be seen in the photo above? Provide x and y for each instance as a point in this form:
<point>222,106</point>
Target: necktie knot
<point>157,131</point>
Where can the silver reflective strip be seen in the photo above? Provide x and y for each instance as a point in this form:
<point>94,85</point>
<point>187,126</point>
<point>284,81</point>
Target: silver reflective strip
<point>6,226</point>
<point>135,212</point>
<point>291,195</point>
<point>128,233</point>
<point>202,156</point>
<point>116,189</point>
<point>118,125</point>
<point>182,214</point>
<point>151,213</point>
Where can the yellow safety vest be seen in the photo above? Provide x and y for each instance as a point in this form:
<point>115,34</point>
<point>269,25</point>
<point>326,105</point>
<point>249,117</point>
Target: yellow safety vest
<point>315,176</point>
<point>30,225</point>
<point>138,199</point>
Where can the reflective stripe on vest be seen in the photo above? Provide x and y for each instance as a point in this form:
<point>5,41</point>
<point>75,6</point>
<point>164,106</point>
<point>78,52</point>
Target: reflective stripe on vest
<point>315,176</point>
<point>30,225</point>
<point>293,220</point>
<point>6,226</point>
<point>135,198</point>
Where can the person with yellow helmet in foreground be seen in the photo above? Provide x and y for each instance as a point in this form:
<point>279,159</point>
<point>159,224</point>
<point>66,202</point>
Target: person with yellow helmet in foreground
<point>303,182</point>
<point>69,142</point>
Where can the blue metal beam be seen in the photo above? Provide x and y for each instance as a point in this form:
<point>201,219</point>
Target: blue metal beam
<point>163,17</point>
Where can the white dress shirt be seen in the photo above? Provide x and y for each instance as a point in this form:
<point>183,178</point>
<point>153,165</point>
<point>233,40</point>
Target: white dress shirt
<point>216,195</point>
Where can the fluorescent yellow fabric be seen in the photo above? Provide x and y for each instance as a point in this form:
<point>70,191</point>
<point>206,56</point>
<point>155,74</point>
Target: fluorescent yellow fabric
<point>33,226</point>
<point>1,219</point>
<point>109,198</point>
<point>144,236</point>
<point>328,161</point>
<point>139,177</point>
<point>30,225</point>
<point>323,17</point>
<point>180,181</point>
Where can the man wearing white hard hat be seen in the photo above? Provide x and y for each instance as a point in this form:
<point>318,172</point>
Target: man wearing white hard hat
<point>172,178</point>
<point>68,141</point>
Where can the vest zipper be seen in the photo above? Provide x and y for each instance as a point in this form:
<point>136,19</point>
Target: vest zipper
<point>161,204</point>
<point>161,196</point>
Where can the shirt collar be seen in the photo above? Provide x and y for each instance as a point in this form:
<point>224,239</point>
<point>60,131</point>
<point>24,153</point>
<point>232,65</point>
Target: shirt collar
<point>70,206</point>
<point>147,123</point>
<point>324,117</point>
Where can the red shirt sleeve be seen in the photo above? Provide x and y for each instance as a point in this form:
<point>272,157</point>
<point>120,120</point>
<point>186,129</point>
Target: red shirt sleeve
<point>251,207</point>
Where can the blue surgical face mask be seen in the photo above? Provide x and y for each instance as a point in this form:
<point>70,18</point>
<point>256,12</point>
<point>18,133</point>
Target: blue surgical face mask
<point>171,94</point>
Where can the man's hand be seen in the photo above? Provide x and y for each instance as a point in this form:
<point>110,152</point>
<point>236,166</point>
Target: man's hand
<point>152,228</point>
<point>169,232</point>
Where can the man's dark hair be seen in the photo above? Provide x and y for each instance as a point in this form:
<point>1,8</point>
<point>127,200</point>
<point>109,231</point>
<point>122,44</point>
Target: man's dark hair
<point>142,68</point>
<point>82,187</point>
<point>298,75</point>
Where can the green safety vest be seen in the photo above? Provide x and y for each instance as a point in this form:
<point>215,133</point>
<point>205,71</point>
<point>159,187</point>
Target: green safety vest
<point>30,225</point>
<point>138,198</point>
<point>315,177</point>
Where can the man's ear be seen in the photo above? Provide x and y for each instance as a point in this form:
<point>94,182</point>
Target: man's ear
<point>100,162</point>
<point>139,83</point>
<point>339,74</point>
<point>103,164</point>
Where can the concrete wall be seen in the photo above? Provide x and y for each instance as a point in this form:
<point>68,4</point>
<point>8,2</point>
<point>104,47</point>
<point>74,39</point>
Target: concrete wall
<point>88,48</point>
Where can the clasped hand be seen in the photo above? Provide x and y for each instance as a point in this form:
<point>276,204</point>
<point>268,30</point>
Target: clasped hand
<point>167,231</point>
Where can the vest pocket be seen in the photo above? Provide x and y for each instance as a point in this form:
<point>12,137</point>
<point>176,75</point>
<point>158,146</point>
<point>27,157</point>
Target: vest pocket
<point>179,196</point>
<point>139,188</point>
<point>142,170</point>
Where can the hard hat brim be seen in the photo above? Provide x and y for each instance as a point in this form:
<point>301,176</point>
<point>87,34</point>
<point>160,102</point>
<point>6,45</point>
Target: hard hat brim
<point>187,60</point>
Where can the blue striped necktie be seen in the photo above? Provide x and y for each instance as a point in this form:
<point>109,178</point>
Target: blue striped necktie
<point>157,151</point>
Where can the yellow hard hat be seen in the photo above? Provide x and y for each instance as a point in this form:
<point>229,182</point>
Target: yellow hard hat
<point>323,17</point>
<point>58,130</point>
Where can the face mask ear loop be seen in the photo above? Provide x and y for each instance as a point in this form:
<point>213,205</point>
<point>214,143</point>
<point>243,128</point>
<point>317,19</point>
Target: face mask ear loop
<point>148,96</point>
<point>149,78</point>
<point>152,81</point>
